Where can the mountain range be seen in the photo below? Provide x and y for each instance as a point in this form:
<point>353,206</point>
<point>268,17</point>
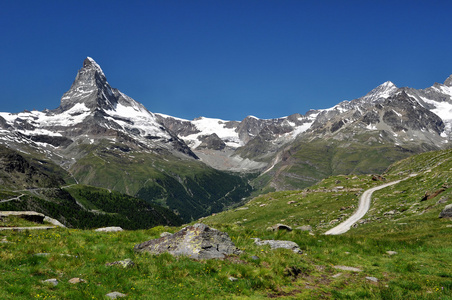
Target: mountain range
<point>99,136</point>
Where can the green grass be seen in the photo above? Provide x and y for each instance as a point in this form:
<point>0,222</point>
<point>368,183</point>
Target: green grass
<point>417,271</point>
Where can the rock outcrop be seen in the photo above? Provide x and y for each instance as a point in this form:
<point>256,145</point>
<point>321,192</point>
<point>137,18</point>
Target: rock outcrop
<point>198,241</point>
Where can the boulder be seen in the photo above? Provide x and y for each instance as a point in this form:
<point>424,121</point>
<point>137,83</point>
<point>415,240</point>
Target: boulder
<point>76,280</point>
<point>275,244</point>
<point>52,281</point>
<point>198,241</point>
<point>447,212</point>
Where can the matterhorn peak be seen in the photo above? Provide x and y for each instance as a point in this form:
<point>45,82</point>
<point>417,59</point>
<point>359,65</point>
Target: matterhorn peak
<point>91,63</point>
<point>90,87</point>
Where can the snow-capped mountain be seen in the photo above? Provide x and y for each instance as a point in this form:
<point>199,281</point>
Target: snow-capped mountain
<point>401,115</point>
<point>92,112</point>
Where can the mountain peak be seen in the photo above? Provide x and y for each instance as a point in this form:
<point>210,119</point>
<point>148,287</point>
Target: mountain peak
<point>384,90</point>
<point>91,63</point>
<point>89,87</point>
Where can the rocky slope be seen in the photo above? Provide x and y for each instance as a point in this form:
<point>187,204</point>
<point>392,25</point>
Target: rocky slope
<point>362,136</point>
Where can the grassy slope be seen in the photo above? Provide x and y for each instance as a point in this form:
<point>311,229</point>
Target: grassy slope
<point>419,270</point>
<point>306,163</point>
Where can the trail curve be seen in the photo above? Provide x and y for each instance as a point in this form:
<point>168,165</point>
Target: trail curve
<point>363,208</point>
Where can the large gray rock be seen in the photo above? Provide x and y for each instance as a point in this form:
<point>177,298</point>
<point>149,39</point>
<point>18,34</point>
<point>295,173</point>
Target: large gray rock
<point>447,212</point>
<point>198,241</point>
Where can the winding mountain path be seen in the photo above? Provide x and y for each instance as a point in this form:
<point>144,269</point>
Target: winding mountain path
<point>364,205</point>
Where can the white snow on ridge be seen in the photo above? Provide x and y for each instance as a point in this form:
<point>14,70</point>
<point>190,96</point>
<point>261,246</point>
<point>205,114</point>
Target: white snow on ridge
<point>140,118</point>
<point>442,110</point>
<point>41,120</point>
<point>208,126</point>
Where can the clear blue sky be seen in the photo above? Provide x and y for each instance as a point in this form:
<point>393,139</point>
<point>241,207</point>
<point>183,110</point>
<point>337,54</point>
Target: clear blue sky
<point>225,59</point>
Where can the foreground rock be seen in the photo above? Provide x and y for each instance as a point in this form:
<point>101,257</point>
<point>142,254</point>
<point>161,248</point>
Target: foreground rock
<point>447,212</point>
<point>275,244</point>
<point>198,242</point>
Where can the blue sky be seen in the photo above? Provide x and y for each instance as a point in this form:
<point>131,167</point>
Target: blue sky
<point>224,59</point>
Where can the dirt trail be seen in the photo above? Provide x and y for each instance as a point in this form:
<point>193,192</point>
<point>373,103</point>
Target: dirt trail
<point>363,208</point>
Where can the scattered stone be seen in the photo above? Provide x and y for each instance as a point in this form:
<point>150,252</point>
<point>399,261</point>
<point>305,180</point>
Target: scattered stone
<point>337,275</point>
<point>274,244</point>
<point>449,226</point>
<point>114,295</point>
<point>389,213</point>
<point>109,229</point>
<point>442,200</point>
<point>304,228</point>
<point>232,279</point>
<point>198,241</point>
<point>345,268</point>
<point>163,234</point>
<point>373,279</point>
<point>447,212</point>
<point>254,257</point>
<point>76,280</point>
<point>291,202</point>
<point>391,252</point>
<point>262,205</point>
<point>279,227</point>
<point>52,281</point>
<point>126,263</point>
<point>4,241</point>
<point>378,178</point>
<point>41,254</point>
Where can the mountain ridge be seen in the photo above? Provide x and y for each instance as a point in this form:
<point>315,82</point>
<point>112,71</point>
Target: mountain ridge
<point>107,139</point>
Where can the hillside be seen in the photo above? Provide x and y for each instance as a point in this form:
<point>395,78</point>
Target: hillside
<point>41,186</point>
<point>400,250</point>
